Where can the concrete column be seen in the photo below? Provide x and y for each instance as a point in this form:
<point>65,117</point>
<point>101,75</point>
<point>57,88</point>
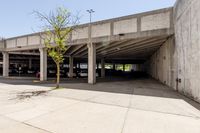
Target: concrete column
<point>97,64</point>
<point>71,67</point>
<point>5,64</point>
<point>114,66</point>
<point>30,63</point>
<point>79,65</point>
<point>43,64</point>
<point>123,67</point>
<point>91,63</point>
<point>102,68</point>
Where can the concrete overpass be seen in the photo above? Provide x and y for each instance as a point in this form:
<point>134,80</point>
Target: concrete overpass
<point>135,37</point>
<point>165,41</point>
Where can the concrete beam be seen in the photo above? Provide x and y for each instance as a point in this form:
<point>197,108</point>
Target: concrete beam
<point>136,46</point>
<point>43,64</point>
<point>77,48</point>
<point>5,64</point>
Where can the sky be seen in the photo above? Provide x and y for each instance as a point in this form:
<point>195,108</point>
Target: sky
<point>16,16</point>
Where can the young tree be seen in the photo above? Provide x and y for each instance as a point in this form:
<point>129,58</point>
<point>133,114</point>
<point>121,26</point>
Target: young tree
<point>57,27</point>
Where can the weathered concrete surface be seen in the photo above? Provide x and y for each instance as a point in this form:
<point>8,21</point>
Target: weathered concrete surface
<point>137,106</point>
<point>177,63</point>
<point>163,64</point>
<point>187,31</point>
<point>91,63</point>
<point>5,64</point>
<point>11,126</point>
<point>43,64</point>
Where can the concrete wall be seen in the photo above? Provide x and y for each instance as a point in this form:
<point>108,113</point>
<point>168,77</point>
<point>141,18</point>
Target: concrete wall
<point>23,41</point>
<point>125,26</point>
<point>187,32</point>
<point>1,44</point>
<point>162,64</point>
<point>154,20</point>
<point>181,60</point>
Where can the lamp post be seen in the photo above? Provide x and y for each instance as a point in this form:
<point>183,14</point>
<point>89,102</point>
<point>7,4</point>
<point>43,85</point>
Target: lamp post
<point>90,11</point>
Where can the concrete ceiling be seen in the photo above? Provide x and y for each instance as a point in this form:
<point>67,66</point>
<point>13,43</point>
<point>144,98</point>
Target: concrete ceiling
<point>127,49</point>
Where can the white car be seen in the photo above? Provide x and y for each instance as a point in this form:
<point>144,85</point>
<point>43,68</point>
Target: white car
<point>84,73</point>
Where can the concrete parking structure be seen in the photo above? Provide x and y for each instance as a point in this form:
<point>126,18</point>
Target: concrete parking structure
<point>163,43</point>
<point>159,94</point>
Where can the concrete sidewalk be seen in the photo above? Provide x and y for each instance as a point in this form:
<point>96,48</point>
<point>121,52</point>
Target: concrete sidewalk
<point>136,106</point>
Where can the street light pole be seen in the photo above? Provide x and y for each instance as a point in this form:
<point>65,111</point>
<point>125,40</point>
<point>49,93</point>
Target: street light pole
<point>90,11</point>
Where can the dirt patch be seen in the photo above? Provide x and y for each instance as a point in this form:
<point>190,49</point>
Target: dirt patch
<point>30,94</point>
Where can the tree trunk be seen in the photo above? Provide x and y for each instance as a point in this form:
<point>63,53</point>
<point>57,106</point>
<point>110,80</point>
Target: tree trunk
<point>58,75</point>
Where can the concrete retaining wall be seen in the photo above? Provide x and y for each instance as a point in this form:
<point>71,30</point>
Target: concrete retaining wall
<point>187,32</point>
<point>162,64</point>
<point>178,64</point>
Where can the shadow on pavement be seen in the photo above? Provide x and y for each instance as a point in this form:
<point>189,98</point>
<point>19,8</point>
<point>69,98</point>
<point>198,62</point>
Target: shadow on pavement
<point>124,85</point>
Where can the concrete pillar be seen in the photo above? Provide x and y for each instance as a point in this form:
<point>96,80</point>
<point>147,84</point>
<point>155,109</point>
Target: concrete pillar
<point>79,65</point>
<point>5,64</point>
<point>71,67</point>
<point>91,63</point>
<point>102,68</point>
<point>114,66</point>
<point>30,63</point>
<point>43,64</point>
<point>123,67</point>
<point>97,66</point>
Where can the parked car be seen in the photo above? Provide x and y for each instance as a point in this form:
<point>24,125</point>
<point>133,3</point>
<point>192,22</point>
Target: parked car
<point>31,71</point>
<point>51,72</point>
<point>14,71</point>
<point>84,73</point>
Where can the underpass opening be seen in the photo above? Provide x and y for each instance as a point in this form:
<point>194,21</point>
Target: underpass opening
<point>134,58</point>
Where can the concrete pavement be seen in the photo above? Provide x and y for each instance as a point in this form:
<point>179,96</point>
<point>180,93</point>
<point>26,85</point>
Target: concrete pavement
<point>135,106</point>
